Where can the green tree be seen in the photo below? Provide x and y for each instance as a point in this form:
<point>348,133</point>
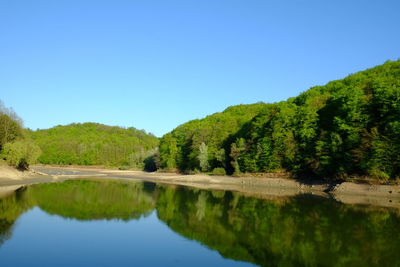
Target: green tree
<point>237,150</point>
<point>220,157</point>
<point>203,157</point>
<point>168,152</point>
<point>10,125</point>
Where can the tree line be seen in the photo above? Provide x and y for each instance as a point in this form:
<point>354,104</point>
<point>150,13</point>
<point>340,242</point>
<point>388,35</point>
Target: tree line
<point>347,127</point>
<point>76,143</point>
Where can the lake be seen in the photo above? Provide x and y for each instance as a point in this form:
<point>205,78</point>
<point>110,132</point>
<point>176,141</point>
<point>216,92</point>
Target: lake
<point>133,223</point>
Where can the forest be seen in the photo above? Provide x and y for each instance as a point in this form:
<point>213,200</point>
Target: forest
<point>349,127</point>
<point>79,144</point>
<point>96,144</point>
<point>346,128</point>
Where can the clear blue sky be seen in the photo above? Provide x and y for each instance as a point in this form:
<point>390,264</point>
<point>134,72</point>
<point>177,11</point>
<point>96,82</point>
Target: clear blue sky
<point>157,64</point>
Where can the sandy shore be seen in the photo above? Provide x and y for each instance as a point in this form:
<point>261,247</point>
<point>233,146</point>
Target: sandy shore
<point>10,177</point>
<point>351,193</point>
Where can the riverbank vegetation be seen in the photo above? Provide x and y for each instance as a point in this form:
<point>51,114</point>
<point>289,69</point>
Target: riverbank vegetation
<point>347,127</point>
<point>16,147</point>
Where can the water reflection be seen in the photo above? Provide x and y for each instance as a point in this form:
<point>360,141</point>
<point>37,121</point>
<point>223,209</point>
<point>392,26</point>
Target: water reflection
<point>298,231</point>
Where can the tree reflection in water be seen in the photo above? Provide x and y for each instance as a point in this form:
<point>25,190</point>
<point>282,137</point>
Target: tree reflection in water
<point>302,230</point>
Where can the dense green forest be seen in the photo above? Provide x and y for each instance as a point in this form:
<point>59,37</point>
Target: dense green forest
<point>180,149</point>
<point>347,127</point>
<point>95,144</point>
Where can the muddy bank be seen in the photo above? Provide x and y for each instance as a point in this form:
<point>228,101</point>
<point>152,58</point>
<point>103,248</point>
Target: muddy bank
<point>350,193</point>
<point>10,177</point>
<point>380,195</point>
<point>7,172</point>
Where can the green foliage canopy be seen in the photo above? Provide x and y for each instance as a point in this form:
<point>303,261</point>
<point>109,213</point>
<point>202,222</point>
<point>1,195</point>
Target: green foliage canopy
<point>95,144</point>
<point>347,127</point>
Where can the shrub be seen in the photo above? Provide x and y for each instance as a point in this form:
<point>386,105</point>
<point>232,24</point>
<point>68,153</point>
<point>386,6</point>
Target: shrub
<point>375,173</point>
<point>219,171</point>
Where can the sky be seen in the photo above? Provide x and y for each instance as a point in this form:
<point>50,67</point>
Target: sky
<point>156,64</point>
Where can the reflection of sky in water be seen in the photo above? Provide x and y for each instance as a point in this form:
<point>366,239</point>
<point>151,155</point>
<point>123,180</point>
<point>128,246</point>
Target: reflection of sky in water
<point>40,239</point>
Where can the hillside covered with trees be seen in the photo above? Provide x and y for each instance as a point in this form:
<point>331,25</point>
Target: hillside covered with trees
<point>95,144</point>
<point>347,127</point>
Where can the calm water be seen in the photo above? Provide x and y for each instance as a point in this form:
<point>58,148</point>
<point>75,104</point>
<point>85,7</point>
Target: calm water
<point>113,223</point>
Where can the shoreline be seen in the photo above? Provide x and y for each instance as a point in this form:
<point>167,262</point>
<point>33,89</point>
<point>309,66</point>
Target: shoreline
<point>346,192</point>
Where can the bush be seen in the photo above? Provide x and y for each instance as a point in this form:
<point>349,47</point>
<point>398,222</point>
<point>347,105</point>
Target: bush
<point>219,171</point>
<point>375,173</point>
<point>21,153</point>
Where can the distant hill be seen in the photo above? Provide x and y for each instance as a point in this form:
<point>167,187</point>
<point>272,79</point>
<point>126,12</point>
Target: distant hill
<point>345,128</point>
<point>94,144</point>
